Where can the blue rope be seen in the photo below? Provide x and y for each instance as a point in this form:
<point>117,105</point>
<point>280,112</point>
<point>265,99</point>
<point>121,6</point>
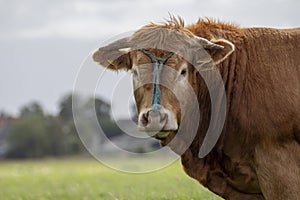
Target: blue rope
<point>158,64</point>
<point>155,89</point>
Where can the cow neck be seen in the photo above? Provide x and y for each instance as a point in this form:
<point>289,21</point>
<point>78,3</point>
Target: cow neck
<point>158,64</point>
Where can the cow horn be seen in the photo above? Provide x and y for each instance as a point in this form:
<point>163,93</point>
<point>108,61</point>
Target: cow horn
<point>208,44</point>
<point>123,43</point>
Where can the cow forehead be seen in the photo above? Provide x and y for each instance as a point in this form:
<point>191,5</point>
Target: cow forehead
<point>139,59</point>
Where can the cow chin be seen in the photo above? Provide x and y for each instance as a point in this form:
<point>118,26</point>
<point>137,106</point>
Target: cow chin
<point>166,140</point>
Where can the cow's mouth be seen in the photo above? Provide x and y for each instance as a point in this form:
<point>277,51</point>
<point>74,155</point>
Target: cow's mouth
<point>165,136</point>
<point>158,134</point>
<point>162,135</point>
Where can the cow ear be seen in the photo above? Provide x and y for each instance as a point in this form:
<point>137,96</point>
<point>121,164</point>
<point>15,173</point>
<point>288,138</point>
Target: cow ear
<point>114,56</point>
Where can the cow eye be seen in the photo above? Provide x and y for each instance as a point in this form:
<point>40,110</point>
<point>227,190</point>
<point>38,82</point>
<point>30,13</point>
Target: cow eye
<point>183,72</point>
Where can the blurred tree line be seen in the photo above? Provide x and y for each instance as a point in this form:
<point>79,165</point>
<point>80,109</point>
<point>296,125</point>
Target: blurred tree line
<point>35,134</point>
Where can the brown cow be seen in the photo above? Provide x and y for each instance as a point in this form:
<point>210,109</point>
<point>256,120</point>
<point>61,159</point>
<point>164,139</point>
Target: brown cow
<point>258,154</point>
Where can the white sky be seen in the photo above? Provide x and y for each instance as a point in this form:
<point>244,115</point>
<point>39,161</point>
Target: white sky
<point>43,43</point>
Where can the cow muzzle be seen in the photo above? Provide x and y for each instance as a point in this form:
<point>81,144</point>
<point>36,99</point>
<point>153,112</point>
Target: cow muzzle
<point>157,123</point>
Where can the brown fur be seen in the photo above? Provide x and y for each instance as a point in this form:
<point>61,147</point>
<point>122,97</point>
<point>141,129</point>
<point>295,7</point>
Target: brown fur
<point>258,153</point>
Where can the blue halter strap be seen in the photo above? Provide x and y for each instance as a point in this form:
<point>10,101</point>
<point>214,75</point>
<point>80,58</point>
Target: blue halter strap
<point>158,64</point>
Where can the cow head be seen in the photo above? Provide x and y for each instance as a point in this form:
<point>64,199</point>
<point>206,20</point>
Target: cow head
<point>165,63</point>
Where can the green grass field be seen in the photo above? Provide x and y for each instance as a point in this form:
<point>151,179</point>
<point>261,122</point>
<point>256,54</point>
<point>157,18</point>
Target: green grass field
<point>87,179</point>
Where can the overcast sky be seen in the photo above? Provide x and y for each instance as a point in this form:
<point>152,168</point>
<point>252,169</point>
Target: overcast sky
<point>43,43</point>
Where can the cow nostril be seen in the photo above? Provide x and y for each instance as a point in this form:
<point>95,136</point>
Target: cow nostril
<point>144,119</point>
